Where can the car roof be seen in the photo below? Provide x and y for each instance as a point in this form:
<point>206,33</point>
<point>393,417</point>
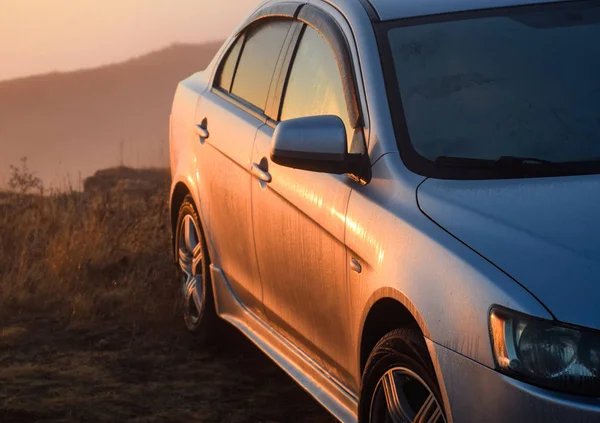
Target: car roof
<point>398,9</point>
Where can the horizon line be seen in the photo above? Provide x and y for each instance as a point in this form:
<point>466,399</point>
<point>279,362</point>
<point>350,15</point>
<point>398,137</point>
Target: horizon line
<point>108,64</point>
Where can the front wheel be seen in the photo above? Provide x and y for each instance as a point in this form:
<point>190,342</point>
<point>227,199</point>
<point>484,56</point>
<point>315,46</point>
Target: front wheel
<point>194,273</point>
<point>399,384</point>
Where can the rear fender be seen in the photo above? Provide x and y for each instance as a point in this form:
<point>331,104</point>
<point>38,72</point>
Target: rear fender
<point>183,138</point>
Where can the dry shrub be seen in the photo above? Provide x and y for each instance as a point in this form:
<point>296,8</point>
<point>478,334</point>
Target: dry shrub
<point>99,254</point>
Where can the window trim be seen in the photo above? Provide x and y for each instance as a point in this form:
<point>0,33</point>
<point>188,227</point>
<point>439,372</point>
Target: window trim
<point>284,10</point>
<point>328,28</point>
<point>275,89</point>
<point>242,104</point>
<point>280,10</point>
<point>283,75</point>
<point>245,105</point>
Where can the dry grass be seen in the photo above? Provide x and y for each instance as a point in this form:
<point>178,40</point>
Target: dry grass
<point>89,322</point>
<point>89,256</point>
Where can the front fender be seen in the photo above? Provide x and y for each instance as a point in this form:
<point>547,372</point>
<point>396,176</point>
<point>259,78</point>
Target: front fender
<point>447,286</point>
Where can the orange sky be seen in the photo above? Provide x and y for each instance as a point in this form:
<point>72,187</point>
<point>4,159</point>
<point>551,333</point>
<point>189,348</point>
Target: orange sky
<point>39,36</point>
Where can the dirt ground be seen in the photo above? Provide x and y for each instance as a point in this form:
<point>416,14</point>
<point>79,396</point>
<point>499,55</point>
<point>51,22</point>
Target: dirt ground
<point>90,322</point>
<point>50,371</point>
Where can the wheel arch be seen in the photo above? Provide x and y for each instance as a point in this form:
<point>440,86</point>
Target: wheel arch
<point>178,194</point>
<point>386,310</point>
<point>180,189</point>
<point>389,309</point>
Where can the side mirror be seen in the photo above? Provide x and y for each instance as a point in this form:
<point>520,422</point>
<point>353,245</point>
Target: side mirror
<point>315,143</point>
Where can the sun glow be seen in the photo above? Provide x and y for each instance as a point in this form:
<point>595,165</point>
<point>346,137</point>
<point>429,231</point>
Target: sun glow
<point>38,36</point>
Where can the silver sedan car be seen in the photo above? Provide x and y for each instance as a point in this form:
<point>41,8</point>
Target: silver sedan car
<point>399,203</point>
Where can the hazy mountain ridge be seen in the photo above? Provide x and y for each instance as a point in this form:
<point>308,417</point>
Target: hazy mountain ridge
<point>84,120</point>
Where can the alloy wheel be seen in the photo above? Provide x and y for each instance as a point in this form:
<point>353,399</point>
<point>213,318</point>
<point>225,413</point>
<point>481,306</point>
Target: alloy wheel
<point>401,396</point>
<point>190,258</point>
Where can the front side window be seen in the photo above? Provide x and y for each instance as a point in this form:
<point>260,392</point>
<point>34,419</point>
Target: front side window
<point>314,86</point>
<point>252,79</point>
<point>519,84</point>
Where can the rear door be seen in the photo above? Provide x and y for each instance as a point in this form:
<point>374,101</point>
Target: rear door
<point>227,118</point>
<point>299,219</point>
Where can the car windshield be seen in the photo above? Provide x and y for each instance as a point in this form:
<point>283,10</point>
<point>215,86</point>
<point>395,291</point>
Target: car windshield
<point>517,82</point>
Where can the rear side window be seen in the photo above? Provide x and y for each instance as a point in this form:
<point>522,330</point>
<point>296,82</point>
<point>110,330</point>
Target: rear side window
<point>258,59</point>
<point>228,65</point>
<point>315,86</point>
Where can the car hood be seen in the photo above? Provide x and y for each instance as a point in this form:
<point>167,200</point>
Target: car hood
<point>543,232</point>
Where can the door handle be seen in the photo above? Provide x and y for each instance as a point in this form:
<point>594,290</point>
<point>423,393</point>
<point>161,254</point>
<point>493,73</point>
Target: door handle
<point>261,174</point>
<point>355,265</point>
<point>201,129</point>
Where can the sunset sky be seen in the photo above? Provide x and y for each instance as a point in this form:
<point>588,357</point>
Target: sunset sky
<point>38,36</point>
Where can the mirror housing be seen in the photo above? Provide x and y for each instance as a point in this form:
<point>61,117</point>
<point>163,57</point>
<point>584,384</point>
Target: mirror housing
<point>314,143</point>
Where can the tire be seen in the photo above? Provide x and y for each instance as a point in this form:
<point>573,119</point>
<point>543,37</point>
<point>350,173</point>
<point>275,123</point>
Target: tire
<point>193,272</point>
<point>399,382</point>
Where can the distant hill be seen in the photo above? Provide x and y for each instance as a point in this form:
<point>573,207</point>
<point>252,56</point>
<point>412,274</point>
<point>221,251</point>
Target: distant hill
<point>81,121</point>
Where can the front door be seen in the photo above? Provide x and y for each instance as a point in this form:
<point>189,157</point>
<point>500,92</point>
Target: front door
<point>299,222</point>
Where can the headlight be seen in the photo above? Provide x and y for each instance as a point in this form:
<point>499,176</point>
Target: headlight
<point>546,353</point>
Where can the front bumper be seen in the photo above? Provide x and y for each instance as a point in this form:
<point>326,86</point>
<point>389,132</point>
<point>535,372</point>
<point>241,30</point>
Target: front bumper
<point>476,393</point>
